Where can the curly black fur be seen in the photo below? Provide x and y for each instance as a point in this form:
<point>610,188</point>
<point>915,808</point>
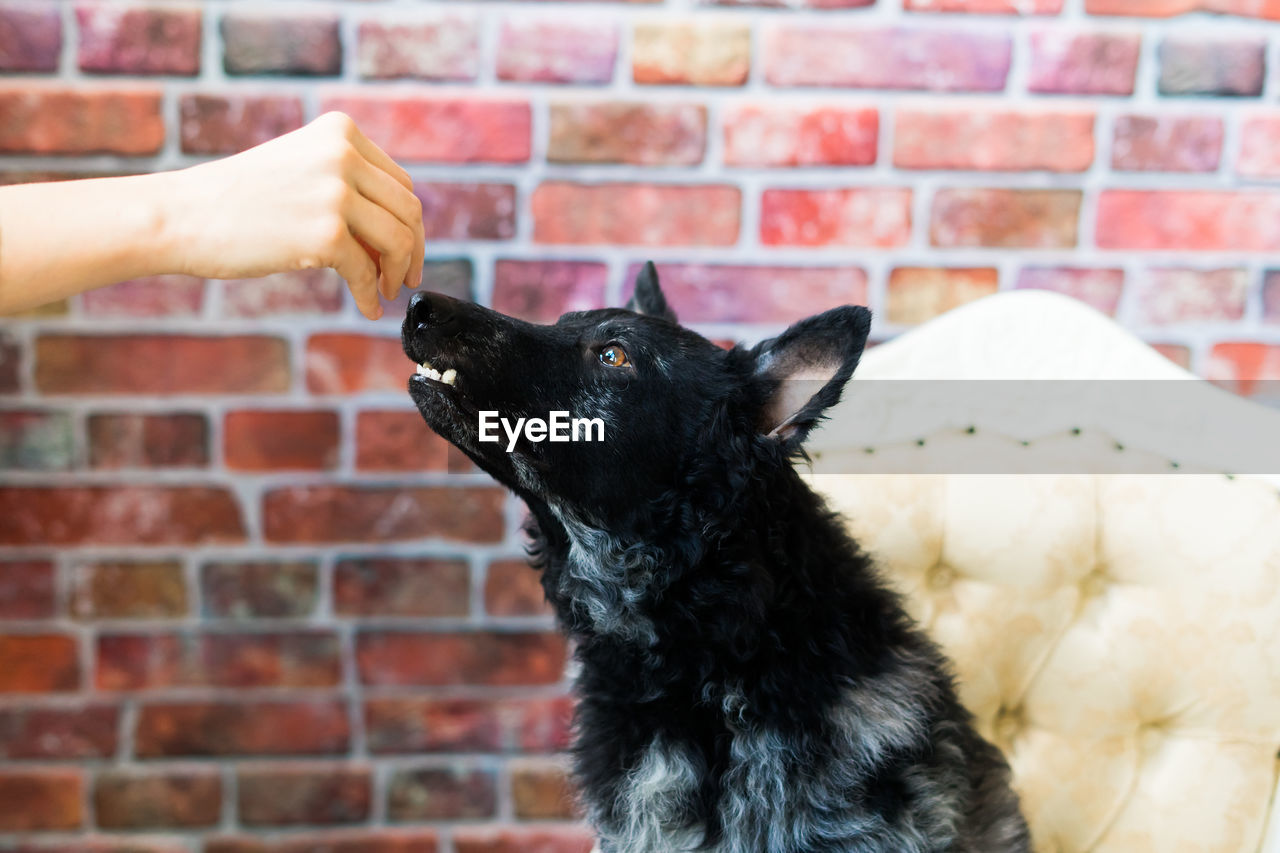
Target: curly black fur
<point>748,682</point>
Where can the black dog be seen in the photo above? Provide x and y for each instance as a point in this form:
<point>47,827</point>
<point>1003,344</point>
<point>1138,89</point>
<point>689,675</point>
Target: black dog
<point>747,681</point>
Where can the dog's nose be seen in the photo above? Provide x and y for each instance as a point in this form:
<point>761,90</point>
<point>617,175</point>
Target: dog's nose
<point>433,311</point>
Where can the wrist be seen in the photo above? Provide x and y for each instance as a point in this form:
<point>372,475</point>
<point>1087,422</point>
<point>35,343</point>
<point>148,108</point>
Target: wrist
<point>168,205</point>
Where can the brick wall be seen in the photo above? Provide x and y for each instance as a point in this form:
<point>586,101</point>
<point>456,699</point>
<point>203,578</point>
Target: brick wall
<point>247,601</point>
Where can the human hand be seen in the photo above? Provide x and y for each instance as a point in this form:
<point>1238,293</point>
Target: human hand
<point>320,196</point>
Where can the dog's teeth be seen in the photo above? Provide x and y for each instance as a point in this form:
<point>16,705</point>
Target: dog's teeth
<point>422,370</point>
<point>449,377</point>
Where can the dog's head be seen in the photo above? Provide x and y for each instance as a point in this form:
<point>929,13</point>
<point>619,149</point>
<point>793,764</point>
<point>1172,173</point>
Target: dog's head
<point>668,399</point>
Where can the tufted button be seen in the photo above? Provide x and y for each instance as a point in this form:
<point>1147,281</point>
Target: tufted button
<point>1009,723</point>
<point>940,577</point>
<point>1095,583</point>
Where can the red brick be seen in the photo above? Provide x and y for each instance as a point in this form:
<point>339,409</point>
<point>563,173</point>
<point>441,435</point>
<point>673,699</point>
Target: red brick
<point>333,841</point>
<point>441,47</point>
<point>636,214</point>
<point>226,124</point>
<point>27,589</point>
<point>707,54</point>
<point>714,293</point>
<point>535,50</point>
<point>161,364</point>
<point>125,799</point>
<point>74,732</point>
<point>315,727</point>
<point>129,590</point>
<point>401,587</point>
<point>156,296</point>
<point>877,217</point>
<point>917,294</point>
<point>1271,297</point>
<point>1242,366</point>
<point>259,590</point>
<point>419,724</point>
<point>893,58</point>
<point>1189,220</point>
<point>311,794</point>
<point>543,791</point>
<point>346,364</point>
<point>1099,288</point>
<point>513,588</point>
<point>1178,354</point>
<point>1168,8</point>
<point>540,291</point>
<point>987,7</point>
<point>1005,218</point>
<point>36,440</point>
<point>993,140</point>
<point>280,440</point>
<point>440,793</point>
<point>118,515</point>
<point>1165,296</point>
<point>628,132</point>
<point>1166,144</point>
<point>467,211</point>
<point>38,663</point>
<point>800,136</point>
<point>107,844</point>
<point>320,514</point>
<point>159,661</point>
<point>300,43</point>
<point>443,130</point>
<point>1200,66</point>
<point>30,37</point>
<point>523,840</point>
<point>1074,63</point>
<point>10,365</point>
<point>482,657</point>
<point>116,39</point>
<point>148,441</point>
<point>317,291</point>
<point>1259,147</point>
<point>398,441</point>
<point>96,121</point>
<point>33,800</point>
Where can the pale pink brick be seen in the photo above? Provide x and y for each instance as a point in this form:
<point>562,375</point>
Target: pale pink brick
<point>1083,63</point>
<point>1166,143</point>
<point>800,136</point>
<point>988,7</point>
<point>319,291</point>
<point>991,140</point>
<point>717,293</point>
<point>879,58</point>
<point>637,214</point>
<point>917,294</point>
<point>626,132</point>
<point>446,47</point>
<point>1167,296</point>
<point>554,51</point>
<point>467,211</point>
<point>30,36</point>
<point>1005,218</point>
<point>1099,288</point>
<point>155,296</point>
<point>1189,220</point>
<point>540,291</point>
<point>116,38</point>
<point>1260,147</point>
<point>876,217</point>
<point>712,54</point>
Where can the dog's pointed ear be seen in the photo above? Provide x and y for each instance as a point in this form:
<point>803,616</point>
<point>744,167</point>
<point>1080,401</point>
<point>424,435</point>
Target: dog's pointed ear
<point>648,298</point>
<point>804,369</point>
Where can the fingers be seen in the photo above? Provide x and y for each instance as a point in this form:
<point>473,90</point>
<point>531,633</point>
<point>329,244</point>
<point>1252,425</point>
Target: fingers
<point>393,240</point>
<point>379,158</point>
<point>355,265</point>
<point>385,191</point>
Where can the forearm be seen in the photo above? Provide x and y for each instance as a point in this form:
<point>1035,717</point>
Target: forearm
<point>61,238</point>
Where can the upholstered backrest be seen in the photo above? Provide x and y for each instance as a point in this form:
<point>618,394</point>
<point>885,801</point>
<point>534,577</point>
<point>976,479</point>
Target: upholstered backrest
<point>1117,637</point>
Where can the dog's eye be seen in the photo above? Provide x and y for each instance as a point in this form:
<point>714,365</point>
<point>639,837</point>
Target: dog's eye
<point>614,356</point>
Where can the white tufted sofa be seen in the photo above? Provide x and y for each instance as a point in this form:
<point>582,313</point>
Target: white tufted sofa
<point>1117,636</point>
